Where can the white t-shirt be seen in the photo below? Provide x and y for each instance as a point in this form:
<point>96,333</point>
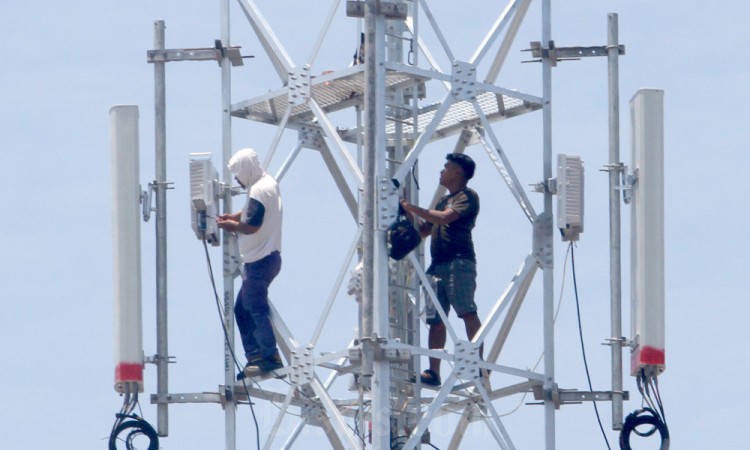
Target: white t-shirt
<point>267,239</point>
<point>264,189</point>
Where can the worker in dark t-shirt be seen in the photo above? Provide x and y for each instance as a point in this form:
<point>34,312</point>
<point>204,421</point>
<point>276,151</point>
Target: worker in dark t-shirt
<point>453,265</point>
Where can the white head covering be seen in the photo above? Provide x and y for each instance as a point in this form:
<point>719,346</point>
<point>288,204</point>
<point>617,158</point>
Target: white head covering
<point>245,166</point>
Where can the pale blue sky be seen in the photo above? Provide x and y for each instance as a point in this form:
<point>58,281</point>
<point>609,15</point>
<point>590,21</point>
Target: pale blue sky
<point>65,64</point>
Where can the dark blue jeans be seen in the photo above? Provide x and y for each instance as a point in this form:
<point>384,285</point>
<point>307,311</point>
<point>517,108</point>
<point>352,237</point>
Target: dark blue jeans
<point>251,309</point>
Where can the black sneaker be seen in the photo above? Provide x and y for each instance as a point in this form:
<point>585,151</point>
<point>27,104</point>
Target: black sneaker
<point>430,378</point>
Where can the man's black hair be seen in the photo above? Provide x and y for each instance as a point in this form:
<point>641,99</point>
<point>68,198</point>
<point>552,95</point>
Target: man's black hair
<point>467,164</point>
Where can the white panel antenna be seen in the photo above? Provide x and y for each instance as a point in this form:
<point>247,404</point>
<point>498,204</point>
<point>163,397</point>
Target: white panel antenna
<point>647,231</point>
<point>569,196</point>
<point>204,198</point>
<point>126,240</point>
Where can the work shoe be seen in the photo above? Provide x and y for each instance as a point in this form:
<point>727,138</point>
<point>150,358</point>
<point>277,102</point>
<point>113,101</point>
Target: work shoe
<point>252,362</point>
<point>261,366</point>
<point>430,378</point>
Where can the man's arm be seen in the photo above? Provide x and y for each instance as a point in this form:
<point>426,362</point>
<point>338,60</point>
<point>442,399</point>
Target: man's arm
<point>233,223</point>
<point>235,226</point>
<point>231,216</point>
<point>431,215</point>
<point>424,228</point>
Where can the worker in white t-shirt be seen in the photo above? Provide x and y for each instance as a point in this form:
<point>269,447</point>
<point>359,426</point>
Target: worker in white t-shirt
<point>258,228</point>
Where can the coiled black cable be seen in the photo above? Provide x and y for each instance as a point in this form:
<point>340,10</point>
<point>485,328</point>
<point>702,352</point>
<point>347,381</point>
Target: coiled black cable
<point>644,416</point>
<point>137,427</point>
<point>652,415</point>
<point>127,420</point>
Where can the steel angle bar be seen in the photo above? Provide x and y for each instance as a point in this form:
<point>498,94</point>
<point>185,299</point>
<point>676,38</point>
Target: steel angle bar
<point>240,109</point>
<point>338,368</point>
<point>330,433</point>
<point>397,345</point>
<point>203,397</point>
<point>503,166</point>
<point>279,418</point>
<point>287,341</point>
<point>525,271</point>
<point>195,54</point>
<point>510,316</point>
<point>495,394</point>
<point>416,434</point>
<point>338,178</point>
<point>294,434</point>
<point>505,46</point>
<point>323,32</point>
<point>276,138</point>
<point>520,388</point>
<point>424,138</point>
<point>337,420</point>
<point>487,87</point>
<point>463,424</point>
<point>431,59</point>
<point>418,72</point>
<point>522,373</point>
<point>279,57</point>
<point>432,295</point>
<point>340,74</point>
<point>327,357</point>
<point>498,431</point>
<point>417,350</point>
<point>336,287</point>
<point>262,394</point>
<point>437,31</point>
<point>495,31</point>
<point>333,375</point>
<point>349,407</point>
<point>332,437</point>
<point>330,130</point>
<point>288,162</point>
<point>444,354</point>
<point>331,429</point>
<point>432,353</point>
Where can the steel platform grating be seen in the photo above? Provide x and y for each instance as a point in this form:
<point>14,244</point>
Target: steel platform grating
<point>463,114</point>
<point>333,92</point>
<point>345,88</point>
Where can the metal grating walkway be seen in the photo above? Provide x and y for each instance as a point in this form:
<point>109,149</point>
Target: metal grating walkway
<point>345,88</point>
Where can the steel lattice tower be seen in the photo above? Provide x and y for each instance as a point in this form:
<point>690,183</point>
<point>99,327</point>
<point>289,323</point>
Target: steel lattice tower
<point>372,164</point>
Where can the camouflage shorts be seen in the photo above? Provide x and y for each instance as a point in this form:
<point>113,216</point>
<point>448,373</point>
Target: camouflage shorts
<point>454,283</point>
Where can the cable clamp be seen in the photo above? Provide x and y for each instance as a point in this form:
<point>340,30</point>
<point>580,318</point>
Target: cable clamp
<point>156,358</point>
<point>621,341</point>
<point>626,182</point>
<point>147,195</point>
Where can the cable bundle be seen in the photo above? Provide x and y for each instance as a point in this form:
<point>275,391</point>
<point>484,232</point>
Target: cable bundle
<point>127,420</point>
<point>652,415</point>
